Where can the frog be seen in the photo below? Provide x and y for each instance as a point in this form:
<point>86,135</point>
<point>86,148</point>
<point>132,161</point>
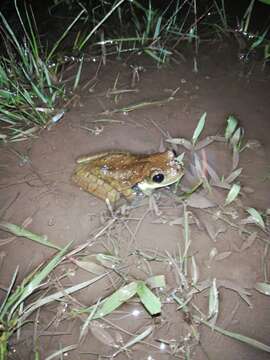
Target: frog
<point>113,175</point>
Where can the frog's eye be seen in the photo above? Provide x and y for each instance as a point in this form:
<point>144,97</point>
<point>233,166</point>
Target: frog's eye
<point>158,178</point>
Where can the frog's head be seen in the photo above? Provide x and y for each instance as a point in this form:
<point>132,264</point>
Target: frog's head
<point>161,169</point>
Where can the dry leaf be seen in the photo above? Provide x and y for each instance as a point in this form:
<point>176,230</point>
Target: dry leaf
<point>199,201</point>
<point>223,255</point>
<point>101,334</point>
<point>249,241</point>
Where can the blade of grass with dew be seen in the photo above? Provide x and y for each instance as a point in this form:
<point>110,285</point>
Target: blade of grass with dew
<point>263,288</point>
<point>148,298</point>
<point>245,339</point>
<point>22,232</point>
<point>38,278</point>
<point>233,193</point>
<point>199,128</point>
<point>256,217</point>
<point>232,124</point>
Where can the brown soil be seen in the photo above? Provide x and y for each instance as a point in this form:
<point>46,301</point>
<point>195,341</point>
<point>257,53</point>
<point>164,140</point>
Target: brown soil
<point>40,189</point>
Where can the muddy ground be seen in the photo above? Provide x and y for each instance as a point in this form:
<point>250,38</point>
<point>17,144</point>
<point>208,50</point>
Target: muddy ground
<point>39,189</point>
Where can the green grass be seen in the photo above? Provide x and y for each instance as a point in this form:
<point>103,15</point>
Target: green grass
<point>30,86</point>
<point>14,313</point>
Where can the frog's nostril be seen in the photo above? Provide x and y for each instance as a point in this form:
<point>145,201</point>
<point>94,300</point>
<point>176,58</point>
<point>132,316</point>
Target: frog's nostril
<point>158,178</point>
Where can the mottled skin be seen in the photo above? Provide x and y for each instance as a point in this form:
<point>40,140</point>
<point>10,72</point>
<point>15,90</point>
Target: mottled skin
<point>111,175</point>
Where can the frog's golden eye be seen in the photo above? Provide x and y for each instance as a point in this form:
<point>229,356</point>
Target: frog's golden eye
<point>158,178</point>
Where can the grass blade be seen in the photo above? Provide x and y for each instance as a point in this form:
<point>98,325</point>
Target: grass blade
<point>114,301</point>
<point>245,339</point>
<point>38,278</point>
<point>157,281</point>
<point>51,53</point>
<point>233,193</point>
<point>22,232</point>
<point>256,216</point>
<point>263,288</point>
<point>213,307</point>
<point>199,128</point>
<point>148,298</point>
<point>100,23</point>
<point>135,340</point>
<point>58,295</point>
<point>14,276</point>
<point>56,354</point>
<point>231,126</point>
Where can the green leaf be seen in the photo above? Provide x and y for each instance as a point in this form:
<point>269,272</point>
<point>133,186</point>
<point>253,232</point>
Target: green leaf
<point>236,138</point>
<point>22,232</point>
<point>263,288</point>
<point>256,217</point>
<point>157,281</point>
<point>233,193</point>
<point>267,2</point>
<point>148,298</point>
<point>199,128</point>
<point>231,126</point>
<point>259,40</point>
<point>115,300</point>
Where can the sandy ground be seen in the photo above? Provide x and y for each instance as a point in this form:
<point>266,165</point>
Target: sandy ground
<point>40,189</point>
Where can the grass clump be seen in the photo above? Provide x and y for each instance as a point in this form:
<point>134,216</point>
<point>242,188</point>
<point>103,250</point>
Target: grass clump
<point>31,88</point>
<point>14,313</point>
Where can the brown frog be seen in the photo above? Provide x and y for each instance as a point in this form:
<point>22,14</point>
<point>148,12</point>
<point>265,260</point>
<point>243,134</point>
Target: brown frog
<point>111,175</point>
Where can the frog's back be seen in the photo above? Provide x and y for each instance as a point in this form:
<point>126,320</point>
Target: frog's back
<point>106,175</point>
